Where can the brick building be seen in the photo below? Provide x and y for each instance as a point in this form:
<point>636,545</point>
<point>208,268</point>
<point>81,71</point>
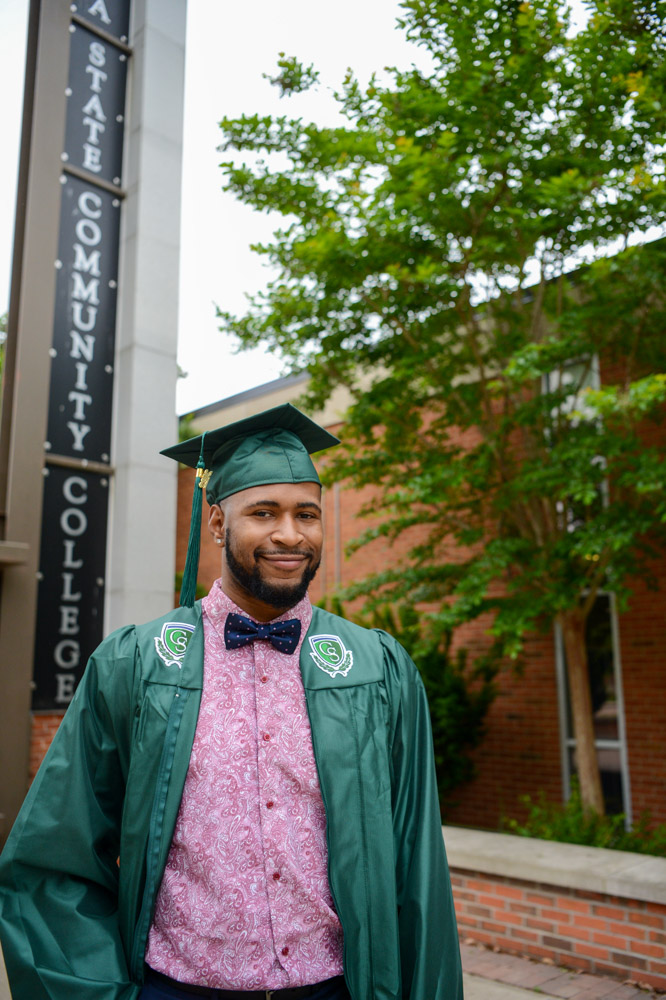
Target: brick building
<point>528,745</point>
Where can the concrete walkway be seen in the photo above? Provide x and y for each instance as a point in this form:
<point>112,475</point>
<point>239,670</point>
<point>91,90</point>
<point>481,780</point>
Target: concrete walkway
<point>493,975</point>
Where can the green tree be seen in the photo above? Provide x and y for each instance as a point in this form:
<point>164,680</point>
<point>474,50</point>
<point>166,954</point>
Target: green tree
<point>458,253</point>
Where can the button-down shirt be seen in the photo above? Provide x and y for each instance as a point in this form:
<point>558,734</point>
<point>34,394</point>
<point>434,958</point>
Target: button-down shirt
<point>245,902</point>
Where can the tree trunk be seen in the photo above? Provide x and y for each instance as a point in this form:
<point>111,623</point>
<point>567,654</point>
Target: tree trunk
<point>573,634</point>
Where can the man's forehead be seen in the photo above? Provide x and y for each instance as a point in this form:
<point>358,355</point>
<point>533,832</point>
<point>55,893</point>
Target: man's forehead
<point>280,494</point>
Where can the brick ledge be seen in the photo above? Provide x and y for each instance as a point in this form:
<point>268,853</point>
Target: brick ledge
<point>593,869</point>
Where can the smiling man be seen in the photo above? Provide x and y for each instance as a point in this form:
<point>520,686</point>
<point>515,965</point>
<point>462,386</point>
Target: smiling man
<point>241,800</point>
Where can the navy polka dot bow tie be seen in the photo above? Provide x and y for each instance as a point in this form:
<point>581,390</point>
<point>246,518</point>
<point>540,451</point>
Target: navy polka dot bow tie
<point>239,630</point>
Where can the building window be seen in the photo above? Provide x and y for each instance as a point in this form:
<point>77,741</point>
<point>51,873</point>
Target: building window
<point>601,637</point>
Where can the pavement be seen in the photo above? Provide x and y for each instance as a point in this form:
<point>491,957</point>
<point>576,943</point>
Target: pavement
<point>491,975</point>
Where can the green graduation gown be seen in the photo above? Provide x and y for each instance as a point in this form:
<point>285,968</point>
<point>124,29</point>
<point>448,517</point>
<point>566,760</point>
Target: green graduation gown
<point>81,869</point>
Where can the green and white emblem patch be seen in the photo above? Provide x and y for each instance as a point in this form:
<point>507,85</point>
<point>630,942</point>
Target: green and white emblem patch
<point>171,644</point>
<point>331,655</point>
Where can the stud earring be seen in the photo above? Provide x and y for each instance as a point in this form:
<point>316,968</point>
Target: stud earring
<point>218,540</point>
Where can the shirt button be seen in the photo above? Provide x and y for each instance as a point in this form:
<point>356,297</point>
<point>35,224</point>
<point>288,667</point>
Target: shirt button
<point>276,876</point>
<point>285,951</point>
<point>264,679</point>
<point>269,805</point>
<point>267,736</point>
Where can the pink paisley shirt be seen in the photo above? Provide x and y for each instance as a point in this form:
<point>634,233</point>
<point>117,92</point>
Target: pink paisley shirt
<point>245,902</point>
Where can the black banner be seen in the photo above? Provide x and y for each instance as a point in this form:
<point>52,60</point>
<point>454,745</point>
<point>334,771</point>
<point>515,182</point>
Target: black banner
<point>84,323</point>
<point>109,15</point>
<point>70,601</point>
<point>95,105</point>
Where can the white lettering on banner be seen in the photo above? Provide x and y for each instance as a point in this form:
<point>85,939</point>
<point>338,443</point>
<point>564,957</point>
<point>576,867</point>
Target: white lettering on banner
<point>77,316</point>
<point>84,301</point>
<point>97,54</point>
<point>95,128</point>
<point>65,687</point>
<point>92,158</point>
<point>73,522</point>
<point>67,592</point>
<point>81,370</point>
<point>82,347</point>
<point>80,399</point>
<point>67,652</point>
<point>86,293</point>
<point>93,110</point>
<point>69,561</point>
<point>98,9</point>
<point>88,232</point>
<point>98,77</point>
<point>79,431</point>
<point>89,264</point>
<point>68,490</point>
<point>69,620</point>
<point>84,204</point>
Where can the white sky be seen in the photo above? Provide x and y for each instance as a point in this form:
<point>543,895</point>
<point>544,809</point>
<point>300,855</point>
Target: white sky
<point>229,46</point>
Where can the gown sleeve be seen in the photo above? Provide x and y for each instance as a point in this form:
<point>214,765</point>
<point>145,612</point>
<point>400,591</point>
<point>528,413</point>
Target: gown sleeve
<point>59,922</point>
<point>429,949</point>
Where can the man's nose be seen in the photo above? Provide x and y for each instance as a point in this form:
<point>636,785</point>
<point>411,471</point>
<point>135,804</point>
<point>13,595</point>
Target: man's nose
<point>287,531</point>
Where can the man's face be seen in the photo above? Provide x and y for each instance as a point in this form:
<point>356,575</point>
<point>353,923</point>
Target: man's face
<point>272,545</point>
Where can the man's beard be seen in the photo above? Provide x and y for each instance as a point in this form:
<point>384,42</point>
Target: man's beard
<point>277,595</point>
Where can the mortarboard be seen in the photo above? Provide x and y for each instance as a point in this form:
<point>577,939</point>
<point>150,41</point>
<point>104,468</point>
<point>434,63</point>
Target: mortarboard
<point>269,447</point>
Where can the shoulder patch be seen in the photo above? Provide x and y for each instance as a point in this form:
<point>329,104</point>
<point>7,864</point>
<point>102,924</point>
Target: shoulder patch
<point>331,655</point>
<point>171,644</point>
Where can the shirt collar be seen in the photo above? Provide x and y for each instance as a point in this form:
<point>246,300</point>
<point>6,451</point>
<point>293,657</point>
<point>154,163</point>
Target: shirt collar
<point>217,605</point>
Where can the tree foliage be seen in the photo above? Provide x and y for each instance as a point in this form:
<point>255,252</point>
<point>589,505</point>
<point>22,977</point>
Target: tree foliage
<point>461,254</point>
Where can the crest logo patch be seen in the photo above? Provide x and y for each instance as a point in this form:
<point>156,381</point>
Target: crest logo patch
<point>171,644</point>
<point>331,655</point>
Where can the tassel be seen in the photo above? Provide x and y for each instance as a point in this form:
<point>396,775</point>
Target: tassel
<point>188,590</point>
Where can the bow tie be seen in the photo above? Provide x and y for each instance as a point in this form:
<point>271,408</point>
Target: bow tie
<point>239,631</point>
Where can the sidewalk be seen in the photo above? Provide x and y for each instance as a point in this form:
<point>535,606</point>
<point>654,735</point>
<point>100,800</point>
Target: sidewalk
<point>493,975</point>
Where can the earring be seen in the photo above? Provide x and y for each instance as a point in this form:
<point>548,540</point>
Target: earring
<point>218,540</point>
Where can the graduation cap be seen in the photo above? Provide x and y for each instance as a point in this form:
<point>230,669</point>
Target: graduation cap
<point>269,447</point>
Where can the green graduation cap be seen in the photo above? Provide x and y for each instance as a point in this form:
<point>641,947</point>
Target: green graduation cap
<point>269,447</point>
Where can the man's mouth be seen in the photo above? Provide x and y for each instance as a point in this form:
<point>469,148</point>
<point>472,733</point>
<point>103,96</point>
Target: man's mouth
<point>284,560</point>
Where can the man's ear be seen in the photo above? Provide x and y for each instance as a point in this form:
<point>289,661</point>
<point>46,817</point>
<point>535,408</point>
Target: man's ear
<point>216,522</point>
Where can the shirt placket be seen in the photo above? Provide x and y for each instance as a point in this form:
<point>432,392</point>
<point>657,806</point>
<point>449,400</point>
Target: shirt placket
<point>270,714</point>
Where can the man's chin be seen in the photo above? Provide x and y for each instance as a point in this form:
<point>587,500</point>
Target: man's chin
<point>281,593</point>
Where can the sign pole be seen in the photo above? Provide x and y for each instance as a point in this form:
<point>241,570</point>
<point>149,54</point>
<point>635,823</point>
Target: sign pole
<point>86,413</point>
<point>24,418</point>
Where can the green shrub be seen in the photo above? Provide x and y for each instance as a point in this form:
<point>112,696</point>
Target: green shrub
<point>570,823</point>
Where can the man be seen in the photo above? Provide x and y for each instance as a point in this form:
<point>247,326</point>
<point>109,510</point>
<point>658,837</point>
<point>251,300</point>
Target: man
<point>241,800</point>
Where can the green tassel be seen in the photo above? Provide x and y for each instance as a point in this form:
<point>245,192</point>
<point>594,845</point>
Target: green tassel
<point>188,590</point>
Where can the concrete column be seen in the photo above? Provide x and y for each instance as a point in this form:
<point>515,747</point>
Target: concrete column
<point>143,503</point>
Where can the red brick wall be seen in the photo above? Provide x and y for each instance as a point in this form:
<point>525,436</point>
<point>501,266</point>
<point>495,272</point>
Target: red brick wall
<point>44,728</point>
<point>643,654</point>
<point>581,930</point>
<point>520,754</point>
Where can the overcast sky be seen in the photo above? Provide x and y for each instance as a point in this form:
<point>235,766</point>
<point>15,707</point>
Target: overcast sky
<point>229,47</point>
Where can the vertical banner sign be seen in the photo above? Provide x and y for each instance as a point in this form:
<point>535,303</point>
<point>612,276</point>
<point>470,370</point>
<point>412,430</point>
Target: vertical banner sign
<point>70,603</point>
